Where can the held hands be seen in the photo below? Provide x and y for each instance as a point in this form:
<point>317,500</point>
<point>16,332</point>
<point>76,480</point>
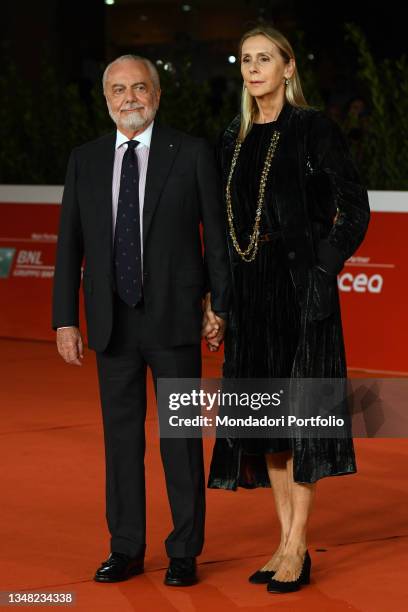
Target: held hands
<point>213,327</point>
<point>70,345</point>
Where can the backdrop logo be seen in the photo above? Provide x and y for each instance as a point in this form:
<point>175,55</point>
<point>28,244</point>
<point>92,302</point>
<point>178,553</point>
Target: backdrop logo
<point>361,283</point>
<point>6,259</point>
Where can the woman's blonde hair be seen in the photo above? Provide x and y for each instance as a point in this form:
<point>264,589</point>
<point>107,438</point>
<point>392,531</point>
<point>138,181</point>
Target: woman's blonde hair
<point>293,90</point>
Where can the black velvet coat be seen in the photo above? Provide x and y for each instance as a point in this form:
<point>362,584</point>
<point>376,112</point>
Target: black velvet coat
<point>313,180</point>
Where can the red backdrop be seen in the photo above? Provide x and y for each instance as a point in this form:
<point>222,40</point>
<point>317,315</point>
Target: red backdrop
<point>374,291</point>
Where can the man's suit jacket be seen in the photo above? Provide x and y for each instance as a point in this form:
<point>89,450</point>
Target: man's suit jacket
<point>182,190</point>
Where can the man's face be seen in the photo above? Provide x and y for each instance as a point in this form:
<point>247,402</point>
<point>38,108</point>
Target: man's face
<point>130,95</point>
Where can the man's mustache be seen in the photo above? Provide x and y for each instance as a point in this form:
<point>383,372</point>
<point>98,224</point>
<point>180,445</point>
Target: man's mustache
<point>131,107</point>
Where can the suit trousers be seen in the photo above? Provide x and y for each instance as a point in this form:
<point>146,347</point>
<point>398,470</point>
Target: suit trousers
<point>122,384</point>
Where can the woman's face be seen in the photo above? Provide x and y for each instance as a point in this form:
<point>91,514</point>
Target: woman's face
<point>263,68</point>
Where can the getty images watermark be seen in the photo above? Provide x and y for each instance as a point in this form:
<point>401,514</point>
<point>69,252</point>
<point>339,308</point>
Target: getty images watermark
<point>281,408</point>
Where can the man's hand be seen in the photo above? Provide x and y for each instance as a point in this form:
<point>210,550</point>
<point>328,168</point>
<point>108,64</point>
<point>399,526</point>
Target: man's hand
<point>213,328</point>
<point>70,345</point>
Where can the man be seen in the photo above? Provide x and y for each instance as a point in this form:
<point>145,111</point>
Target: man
<point>133,202</point>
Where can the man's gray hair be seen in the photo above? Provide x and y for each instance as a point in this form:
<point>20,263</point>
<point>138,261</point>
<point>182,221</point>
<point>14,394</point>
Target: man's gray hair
<point>136,58</point>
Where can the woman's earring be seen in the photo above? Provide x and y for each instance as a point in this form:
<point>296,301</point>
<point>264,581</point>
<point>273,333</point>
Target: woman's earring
<point>287,82</point>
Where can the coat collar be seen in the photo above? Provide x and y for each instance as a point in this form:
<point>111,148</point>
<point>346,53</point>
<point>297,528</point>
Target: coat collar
<point>232,130</point>
<point>284,116</point>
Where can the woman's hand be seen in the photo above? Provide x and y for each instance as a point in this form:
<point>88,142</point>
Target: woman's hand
<point>213,327</point>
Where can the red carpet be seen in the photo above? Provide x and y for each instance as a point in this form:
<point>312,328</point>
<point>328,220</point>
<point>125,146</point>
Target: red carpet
<point>53,530</point>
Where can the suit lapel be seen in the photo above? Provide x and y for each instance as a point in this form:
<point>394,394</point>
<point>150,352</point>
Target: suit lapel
<point>104,159</point>
<point>103,182</point>
<point>163,149</point>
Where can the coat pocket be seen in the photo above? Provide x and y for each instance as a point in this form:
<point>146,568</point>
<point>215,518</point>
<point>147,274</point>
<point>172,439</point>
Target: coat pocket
<point>322,294</point>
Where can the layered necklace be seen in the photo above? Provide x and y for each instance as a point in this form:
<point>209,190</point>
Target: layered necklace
<point>250,252</point>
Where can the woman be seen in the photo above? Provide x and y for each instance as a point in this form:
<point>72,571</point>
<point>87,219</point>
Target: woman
<point>285,316</point>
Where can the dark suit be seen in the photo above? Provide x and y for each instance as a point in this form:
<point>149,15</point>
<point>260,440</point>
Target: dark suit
<point>182,190</point>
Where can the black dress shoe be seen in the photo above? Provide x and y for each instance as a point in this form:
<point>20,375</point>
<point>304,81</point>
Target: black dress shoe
<point>118,567</point>
<point>278,586</point>
<point>261,577</point>
<point>181,572</point>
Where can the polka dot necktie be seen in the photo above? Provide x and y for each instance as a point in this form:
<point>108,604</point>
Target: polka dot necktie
<point>126,247</point>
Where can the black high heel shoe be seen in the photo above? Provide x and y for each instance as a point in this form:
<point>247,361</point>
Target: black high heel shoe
<point>261,577</point>
<point>278,586</point>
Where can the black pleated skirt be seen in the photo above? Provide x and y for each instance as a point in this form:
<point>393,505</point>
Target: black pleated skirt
<point>261,342</point>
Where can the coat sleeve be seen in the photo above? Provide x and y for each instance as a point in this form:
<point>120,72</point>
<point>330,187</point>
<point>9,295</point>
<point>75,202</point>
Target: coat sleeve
<point>330,159</point>
<point>214,232</point>
<point>70,251</point>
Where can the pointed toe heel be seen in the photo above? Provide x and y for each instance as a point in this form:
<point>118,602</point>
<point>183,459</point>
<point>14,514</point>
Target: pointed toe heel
<point>278,586</point>
<point>261,577</point>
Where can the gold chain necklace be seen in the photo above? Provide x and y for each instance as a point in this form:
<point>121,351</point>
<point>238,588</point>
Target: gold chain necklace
<point>250,252</point>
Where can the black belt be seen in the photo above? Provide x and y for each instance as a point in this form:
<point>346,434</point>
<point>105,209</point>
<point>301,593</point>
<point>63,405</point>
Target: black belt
<point>269,236</point>
<point>266,237</point>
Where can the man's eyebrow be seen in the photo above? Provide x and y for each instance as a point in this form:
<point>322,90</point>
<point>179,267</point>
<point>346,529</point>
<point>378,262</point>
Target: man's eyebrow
<point>133,84</point>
